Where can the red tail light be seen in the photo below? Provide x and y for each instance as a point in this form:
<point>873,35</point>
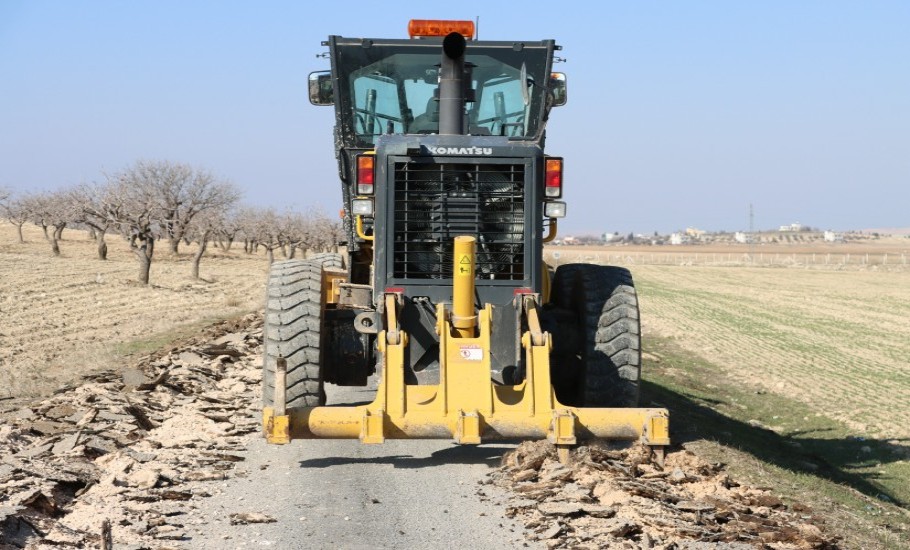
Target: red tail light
<point>365,174</point>
<point>553,188</point>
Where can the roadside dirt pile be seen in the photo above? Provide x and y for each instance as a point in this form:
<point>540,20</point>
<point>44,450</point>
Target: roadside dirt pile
<point>130,454</point>
<point>618,498</point>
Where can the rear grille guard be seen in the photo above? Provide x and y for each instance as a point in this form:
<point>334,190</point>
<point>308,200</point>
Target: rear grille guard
<point>435,202</point>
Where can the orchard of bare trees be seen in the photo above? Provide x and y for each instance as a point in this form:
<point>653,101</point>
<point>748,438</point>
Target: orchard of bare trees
<point>151,201</point>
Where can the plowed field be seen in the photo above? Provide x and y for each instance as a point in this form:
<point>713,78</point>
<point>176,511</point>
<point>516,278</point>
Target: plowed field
<point>61,317</point>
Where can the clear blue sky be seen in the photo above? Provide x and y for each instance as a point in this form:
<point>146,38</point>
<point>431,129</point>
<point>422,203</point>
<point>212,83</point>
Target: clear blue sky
<point>680,113</point>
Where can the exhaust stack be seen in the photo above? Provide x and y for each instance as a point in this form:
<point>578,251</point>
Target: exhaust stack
<point>452,85</point>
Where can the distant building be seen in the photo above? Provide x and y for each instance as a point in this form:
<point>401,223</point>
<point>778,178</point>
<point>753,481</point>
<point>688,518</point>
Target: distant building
<point>744,238</point>
<point>832,237</point>
<point>612,237</point>
<point>569,240</point>
<point>795,227</point>
<point>679,238</point>
<point>695,233</point>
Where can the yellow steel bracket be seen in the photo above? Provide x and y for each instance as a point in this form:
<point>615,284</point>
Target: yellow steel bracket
<point>331,284</point>
<point>371,428</point>
<point>392,330</point>
<point>391,394</point>
<point>656,431</point>
<point>277,428</point>
<point>562,433</point>
<point>276,421</point>
<point>538,336</point>
<point>467,429</point>
<point>562,428</point>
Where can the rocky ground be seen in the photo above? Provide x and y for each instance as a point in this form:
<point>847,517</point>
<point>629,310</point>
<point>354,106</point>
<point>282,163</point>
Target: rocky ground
<point>132,456</point>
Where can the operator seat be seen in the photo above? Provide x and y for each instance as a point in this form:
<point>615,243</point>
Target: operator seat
<point>428,122</point>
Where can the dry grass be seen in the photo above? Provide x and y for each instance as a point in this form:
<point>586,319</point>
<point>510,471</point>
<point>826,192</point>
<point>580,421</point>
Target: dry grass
<point>837,341</point>
<point>66,316</point>
<point>884,254</point>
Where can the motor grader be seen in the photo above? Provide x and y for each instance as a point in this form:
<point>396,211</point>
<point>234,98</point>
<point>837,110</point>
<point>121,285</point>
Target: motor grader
<point>449,198</point>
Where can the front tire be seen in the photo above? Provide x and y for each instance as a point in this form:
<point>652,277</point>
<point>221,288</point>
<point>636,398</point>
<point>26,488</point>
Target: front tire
<point>293,330</point>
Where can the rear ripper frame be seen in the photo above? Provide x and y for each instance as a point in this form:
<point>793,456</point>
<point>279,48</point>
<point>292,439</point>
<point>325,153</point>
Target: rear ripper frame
<point>465,405</point>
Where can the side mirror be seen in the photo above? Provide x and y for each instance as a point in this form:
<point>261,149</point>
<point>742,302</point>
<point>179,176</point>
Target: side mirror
<point>321,90</point>
<point>558,89</point>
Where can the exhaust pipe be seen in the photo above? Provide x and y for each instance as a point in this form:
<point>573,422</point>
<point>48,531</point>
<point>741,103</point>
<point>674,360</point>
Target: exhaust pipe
<point>452,85</point>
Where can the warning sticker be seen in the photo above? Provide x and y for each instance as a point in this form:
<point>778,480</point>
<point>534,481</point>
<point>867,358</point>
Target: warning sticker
<point>471,352</point>
<point>464,264</point>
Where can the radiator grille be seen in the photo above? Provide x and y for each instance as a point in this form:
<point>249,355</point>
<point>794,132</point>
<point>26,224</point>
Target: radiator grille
<point>434,203</point>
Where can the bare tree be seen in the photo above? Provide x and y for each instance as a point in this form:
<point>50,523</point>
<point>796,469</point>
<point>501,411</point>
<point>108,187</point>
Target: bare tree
<point>265,230</point>
<point>248,219</point>
<point>150,200</point>
<point>185,193</point>
<point>135,208</point>
<point>327,233</point>
<point>204,227</point>
<point>289,232</point>
<point>92,204</point>
<point>292,232</point>
<point>52,211</point>
<point>15,211</point>
<point>32,205</point>
<point>231,226</point>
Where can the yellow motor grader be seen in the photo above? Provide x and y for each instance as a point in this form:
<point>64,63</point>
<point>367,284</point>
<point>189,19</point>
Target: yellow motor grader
<point>449,198</point>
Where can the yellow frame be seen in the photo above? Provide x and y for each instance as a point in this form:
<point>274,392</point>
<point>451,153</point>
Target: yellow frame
<point>465,406</point>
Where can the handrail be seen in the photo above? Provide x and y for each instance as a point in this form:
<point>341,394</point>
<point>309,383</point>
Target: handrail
<point>358,225</point>
<point>552,233</point>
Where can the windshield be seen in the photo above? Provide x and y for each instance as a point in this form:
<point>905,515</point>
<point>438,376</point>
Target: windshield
<point>388,89</point>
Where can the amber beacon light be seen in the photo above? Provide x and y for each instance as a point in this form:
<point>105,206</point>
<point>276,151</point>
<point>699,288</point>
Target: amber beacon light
<point>420,28</point>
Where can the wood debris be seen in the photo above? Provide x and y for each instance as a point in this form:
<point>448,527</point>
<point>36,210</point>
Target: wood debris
<point>616,498</point>
<point>117,454</point>
<point>250,517</point>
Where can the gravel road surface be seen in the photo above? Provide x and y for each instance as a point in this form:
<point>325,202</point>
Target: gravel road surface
<point>341,494</point>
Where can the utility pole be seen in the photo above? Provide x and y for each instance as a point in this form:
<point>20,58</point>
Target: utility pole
<point>751,234</point>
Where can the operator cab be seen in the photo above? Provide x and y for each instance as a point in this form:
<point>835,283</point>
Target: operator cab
<point>392,86</point>
<point>392,126</point>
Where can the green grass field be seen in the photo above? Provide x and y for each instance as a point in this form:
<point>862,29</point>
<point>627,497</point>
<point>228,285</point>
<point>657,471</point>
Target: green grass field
<point>799,380</point>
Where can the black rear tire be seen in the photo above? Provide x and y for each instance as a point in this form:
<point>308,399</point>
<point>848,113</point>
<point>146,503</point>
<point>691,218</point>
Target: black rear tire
<point>604,368</point>
<point>329,260</point>
<point>293,330</point>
